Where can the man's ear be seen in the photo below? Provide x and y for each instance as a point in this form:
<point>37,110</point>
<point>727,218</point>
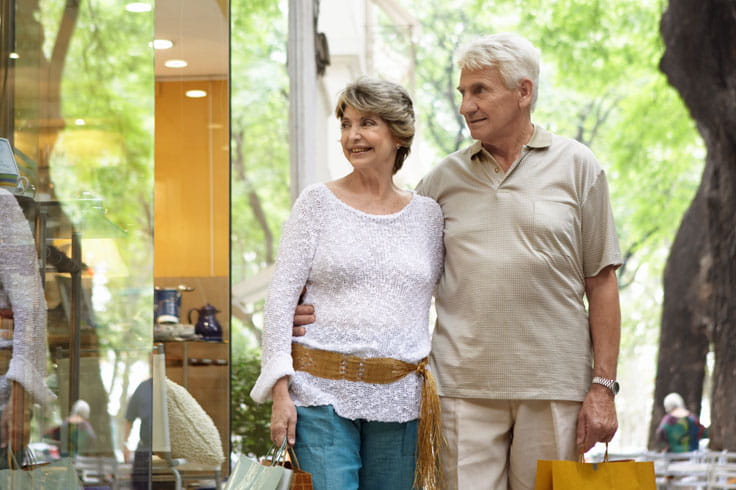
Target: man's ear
<point>526,88</point>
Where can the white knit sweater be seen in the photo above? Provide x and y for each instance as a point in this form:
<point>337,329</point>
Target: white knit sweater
<point>21,291</point>
<point>370,279</point>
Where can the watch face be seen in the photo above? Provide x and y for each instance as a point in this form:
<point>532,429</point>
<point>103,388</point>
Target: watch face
<point>615,387</point>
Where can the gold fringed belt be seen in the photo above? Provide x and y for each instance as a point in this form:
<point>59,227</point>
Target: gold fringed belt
<point>385,370</point>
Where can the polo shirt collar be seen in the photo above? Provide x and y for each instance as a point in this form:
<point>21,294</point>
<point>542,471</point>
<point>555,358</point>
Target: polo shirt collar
<point>541,138</point>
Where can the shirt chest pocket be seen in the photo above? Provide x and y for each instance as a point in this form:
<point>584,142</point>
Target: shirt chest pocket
<point>555,228</point>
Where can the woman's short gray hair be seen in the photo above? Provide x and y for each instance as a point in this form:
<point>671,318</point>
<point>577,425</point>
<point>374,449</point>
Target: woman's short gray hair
<point>673,401</point>
<point>388,100</point>
<point>514,56</point>
<point>81,408</point>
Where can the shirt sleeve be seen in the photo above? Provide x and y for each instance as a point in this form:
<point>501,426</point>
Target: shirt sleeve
<point>422,188</point>
<point>293,264</point>
<point>20,281</point>
<point>600,242</point>
<point>437,229</point>
<point>131,411</point>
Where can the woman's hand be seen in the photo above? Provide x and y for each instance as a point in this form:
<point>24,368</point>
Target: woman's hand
<point>283,414</point>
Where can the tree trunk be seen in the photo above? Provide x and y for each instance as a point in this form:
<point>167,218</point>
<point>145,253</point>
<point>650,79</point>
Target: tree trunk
<point>722,222</point>
<point>700,62</point>
<point>683,341</point>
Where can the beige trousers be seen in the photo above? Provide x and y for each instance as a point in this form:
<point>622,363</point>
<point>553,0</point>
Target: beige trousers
<point>495,444</point>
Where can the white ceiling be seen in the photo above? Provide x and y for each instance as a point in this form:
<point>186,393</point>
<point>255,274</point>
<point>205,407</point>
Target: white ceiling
<point>199,30</point>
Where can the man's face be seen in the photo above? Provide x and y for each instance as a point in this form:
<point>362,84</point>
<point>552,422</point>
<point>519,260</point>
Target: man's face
<point>491,110</point>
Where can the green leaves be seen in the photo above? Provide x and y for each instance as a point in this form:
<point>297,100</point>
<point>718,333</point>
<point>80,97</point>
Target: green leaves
<point>600,83</point>
<point>260,152</point>
<point>250,422</point>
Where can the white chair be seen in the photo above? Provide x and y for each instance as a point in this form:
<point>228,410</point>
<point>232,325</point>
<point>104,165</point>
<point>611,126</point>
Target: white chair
<point>163,465</point>
<point>722,470</point>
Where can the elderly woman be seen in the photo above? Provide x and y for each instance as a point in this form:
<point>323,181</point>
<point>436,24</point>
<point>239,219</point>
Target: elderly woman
<point>348,393</point>
<point>679,430</point>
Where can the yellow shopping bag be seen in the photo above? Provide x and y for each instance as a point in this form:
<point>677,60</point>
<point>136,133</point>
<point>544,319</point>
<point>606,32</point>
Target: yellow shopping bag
<point>609,475</point>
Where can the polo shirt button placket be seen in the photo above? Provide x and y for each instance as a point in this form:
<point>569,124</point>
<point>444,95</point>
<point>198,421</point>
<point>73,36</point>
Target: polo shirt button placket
<point>498,178</point>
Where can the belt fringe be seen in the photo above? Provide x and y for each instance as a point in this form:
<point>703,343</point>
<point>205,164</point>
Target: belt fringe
<point>385,370</point>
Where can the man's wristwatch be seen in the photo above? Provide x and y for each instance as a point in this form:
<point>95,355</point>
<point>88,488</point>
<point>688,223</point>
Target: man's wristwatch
<point>611,384</point>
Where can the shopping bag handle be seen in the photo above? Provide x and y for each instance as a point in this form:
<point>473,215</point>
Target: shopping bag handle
<point>276,455</point>
<point>280,455</point>
<point>605,456</point>
<point>294,460</point>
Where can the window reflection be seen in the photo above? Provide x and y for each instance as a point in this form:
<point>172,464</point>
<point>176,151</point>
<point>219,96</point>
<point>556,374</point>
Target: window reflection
<point>78,106</point>
<point>114,143</point>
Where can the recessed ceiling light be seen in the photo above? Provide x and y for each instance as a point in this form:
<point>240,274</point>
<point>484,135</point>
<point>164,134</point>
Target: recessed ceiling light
<point>161,44</point>
<point>196,94</point>
<point>13,55</point>
<point>138,7</point>
<point>175,63</point>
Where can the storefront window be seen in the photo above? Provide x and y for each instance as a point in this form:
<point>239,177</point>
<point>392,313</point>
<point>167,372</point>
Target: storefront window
<point>79,79</point>
<point>127,162</point>
<point>192,218</point>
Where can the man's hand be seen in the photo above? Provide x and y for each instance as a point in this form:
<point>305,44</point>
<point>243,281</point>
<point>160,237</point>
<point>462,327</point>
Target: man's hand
<point>283,414</point>
<point>303,315</point>
<point>597,420</point>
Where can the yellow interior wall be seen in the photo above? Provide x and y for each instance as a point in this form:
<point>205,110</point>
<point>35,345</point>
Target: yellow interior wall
<point>192,180</point>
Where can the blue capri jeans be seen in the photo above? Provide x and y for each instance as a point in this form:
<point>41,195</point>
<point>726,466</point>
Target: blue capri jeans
<point>344,454</point>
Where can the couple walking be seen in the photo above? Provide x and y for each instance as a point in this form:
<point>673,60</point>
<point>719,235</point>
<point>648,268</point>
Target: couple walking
<point>510,235</point>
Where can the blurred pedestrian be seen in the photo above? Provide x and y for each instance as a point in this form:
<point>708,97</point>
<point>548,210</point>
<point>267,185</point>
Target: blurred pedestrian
<point>680,430</point>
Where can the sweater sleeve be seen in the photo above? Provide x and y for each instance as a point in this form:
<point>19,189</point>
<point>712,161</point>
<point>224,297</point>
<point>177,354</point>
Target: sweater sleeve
<point>21,289</point>
<point>293,264</point>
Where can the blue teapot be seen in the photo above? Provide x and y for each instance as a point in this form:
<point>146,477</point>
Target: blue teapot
<point>207,325</point>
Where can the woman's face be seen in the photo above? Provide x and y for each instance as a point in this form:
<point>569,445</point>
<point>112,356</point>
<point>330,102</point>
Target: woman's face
<point>367,141</point>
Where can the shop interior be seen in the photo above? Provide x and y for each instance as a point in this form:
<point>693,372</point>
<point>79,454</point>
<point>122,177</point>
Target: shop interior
<point>125,223</point>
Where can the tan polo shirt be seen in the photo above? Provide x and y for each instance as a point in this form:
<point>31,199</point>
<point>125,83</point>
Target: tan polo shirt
<point>511,321</point>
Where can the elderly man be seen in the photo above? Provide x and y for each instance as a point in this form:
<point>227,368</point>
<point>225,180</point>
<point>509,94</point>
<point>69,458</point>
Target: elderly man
<point>525,370</point>
<point>528,233</point>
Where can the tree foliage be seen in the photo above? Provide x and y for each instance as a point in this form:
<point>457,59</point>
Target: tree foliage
<point>259,119</point>
<point>600,84</point>
<point>250,421</point>
<point>260,195</point>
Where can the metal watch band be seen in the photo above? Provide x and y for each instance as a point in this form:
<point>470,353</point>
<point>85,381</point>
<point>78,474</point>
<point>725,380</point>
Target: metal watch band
<point>611,384</point>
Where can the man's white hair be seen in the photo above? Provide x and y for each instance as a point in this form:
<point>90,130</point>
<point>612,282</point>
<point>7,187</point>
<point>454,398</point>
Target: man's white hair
<point>514,56</point>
